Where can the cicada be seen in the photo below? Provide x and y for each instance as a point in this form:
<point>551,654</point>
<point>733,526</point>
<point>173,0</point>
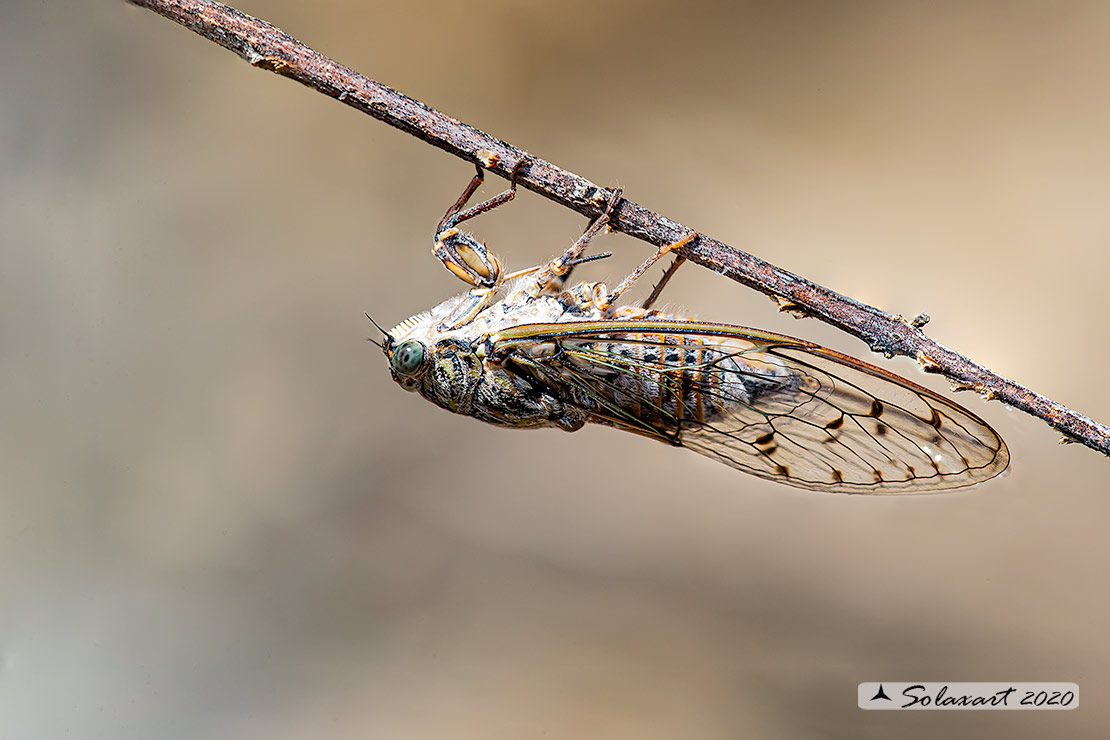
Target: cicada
<point>522,350</point>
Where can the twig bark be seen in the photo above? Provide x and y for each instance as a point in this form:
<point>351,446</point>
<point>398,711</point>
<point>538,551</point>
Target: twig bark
<point>268,47</point>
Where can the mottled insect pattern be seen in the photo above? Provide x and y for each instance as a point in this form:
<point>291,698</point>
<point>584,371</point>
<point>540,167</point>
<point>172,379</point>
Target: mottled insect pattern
<point>523,350</point>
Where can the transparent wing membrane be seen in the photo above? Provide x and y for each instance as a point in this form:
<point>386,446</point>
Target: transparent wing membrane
<point>770,405</point>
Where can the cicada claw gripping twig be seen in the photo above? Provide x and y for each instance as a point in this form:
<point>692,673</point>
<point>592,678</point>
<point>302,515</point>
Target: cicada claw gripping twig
<point>520,350</point>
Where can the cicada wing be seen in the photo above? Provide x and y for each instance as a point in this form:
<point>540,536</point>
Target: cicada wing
<point>845,426</point>
<point>773,406</point>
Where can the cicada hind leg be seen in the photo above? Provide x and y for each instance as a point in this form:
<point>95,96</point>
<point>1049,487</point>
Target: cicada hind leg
<point>607,301</point>
<point>466,257</point>
<point>658,289</point>
<point>555,272</point>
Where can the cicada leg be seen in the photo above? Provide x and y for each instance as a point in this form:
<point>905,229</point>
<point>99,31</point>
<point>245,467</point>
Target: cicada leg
<point>606,302</point>
<point>453,217</point>
<point>466,257</point>
<point>475,183</point>
<point>558,268</point>
<point>667,275</point>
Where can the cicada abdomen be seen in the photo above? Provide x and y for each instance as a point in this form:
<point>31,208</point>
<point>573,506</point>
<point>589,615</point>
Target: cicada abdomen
<point>666,384</point>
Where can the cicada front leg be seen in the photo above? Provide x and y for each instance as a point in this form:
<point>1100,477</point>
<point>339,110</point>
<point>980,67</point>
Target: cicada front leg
<point>466,257</point>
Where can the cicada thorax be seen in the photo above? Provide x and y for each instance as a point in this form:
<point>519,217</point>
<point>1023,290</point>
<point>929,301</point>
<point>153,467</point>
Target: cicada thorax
<point>458,380</point>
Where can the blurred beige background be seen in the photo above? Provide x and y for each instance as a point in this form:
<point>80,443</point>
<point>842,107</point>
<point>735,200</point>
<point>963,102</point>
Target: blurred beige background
<point>220,518</point>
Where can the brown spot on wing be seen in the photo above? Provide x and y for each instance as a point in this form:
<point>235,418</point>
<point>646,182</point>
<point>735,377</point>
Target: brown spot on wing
<point>765,439</point>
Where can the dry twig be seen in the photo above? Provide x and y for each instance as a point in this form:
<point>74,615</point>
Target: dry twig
<point>268,47</point>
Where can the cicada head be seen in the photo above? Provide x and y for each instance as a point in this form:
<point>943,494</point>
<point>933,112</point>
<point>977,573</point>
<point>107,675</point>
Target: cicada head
<point>443,369</point>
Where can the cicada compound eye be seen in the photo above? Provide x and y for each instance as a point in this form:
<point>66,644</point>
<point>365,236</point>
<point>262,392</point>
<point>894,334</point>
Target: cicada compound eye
<point>408,358</point>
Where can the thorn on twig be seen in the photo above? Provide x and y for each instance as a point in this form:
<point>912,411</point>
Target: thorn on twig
<point>928,364</point>
<point>793,308</point>
<point>488,158</point>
